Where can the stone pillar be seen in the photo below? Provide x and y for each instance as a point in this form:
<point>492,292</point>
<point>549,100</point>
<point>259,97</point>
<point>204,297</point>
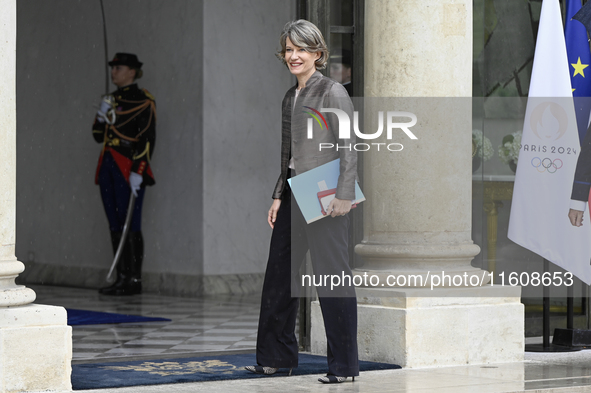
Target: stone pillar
<point>417,217</point>
<point>35,341</point>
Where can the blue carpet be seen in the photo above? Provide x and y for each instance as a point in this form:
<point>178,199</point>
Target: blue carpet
<point>199,369</point>
<point>85,317</point>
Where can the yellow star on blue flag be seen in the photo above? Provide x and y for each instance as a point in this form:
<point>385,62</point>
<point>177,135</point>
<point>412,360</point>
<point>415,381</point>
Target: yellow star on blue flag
<point>579,57</point>
<point>579,67</point>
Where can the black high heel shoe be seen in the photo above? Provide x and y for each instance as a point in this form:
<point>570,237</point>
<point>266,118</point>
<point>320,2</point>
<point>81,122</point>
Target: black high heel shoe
<point>264,370</point>
<point>334,379</point>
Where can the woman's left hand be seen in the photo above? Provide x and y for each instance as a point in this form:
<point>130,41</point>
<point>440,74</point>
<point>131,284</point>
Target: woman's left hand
<point>339,207</point>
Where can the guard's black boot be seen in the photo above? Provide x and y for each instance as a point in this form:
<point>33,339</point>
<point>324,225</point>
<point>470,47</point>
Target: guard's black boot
<point>122,268</point>
<point>131,267</point>
<point>136,246</point>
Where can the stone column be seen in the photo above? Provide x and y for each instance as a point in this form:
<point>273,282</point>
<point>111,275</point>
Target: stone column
<point>35,341</point>
<point>417,217</point>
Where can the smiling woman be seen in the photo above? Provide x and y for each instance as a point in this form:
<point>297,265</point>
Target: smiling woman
<point>300,62</point>
<point>304,52</point>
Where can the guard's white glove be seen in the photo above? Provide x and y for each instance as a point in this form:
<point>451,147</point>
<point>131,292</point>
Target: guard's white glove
<point>102,112</point>
<point>106,112</point>
<point>135,181</point>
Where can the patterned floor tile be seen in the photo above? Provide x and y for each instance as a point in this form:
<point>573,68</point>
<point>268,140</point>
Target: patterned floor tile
<point>196,326</point>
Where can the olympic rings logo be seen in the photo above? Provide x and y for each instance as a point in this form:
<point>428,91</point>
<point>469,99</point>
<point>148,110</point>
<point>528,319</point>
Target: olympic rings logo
<point>546,164</point>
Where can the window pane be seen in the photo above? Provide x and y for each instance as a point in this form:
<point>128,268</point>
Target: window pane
<point>504,41</point>
<point>341,12</point>
<point>341,60</point>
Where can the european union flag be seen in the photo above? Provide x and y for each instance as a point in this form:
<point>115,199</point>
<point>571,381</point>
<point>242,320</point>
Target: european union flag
<point>579,59</point>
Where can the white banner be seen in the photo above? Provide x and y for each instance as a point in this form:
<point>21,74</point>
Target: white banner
<point>548,157</point>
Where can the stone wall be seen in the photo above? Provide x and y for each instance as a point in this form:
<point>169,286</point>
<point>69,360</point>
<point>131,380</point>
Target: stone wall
<point>218,90</point>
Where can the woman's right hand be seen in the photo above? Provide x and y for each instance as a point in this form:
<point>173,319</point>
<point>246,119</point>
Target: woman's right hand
<point>273,212</point>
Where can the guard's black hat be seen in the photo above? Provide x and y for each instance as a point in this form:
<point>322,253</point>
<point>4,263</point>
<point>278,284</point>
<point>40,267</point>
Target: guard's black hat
<point>127,59</point>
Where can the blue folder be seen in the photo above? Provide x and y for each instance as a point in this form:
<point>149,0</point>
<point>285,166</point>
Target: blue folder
<point>312,189</point>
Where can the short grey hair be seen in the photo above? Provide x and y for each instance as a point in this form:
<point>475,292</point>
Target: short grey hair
<point>306,35</point>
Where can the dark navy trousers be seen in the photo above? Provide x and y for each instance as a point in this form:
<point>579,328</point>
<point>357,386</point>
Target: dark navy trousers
<point>327,240</point>
<point>115,192</point>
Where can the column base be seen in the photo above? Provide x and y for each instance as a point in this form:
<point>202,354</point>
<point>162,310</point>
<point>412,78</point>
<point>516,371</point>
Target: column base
<point>10,293</point>
<point>35,349</point>
<point>17,296</point>
<point>428,328</point>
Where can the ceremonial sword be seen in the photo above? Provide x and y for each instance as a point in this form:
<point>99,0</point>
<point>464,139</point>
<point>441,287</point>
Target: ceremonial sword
<point>132,196</point>
<point>130,207</point>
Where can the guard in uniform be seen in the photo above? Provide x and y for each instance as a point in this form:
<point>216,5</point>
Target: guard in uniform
<point>126,126</point>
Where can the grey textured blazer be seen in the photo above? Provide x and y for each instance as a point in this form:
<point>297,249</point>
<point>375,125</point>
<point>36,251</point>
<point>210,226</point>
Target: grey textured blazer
<point>320,92</point>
